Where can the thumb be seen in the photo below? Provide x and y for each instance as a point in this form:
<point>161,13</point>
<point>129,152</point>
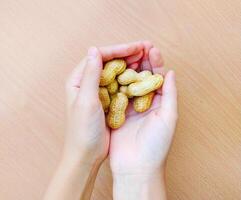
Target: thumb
<point>91,76</point>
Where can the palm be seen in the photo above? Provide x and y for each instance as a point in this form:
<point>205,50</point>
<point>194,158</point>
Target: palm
<point>141,143</point>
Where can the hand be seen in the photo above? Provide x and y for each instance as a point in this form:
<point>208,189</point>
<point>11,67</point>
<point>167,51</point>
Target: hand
<point>141,145</point>
<point>87,137</point>
<point>139,148</point>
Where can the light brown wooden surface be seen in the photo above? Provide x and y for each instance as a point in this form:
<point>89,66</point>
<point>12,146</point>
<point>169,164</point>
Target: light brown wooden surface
<point>41,41</point>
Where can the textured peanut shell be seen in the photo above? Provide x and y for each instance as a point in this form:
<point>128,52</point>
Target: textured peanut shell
<point>116,116</point>
<point>104,98</point>
<point>146,86</point>
<point>112,96</point>
<point>143,103</point>
<point>111,70</point>
<point>127,77</point>
<point>143,74</point>
<point>130,76</point>
<point>124,89</point>
<point>113,87</point>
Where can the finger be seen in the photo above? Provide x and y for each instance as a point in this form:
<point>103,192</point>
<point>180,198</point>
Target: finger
<point>156,60</point>
<point>73,81</point>
<point>120,50</point>
<point>134,58</point>
<point>134,66</point>
<point>75,76</point>
<point>91,76</point>
<point>168,107</point>
<point>145,64</point>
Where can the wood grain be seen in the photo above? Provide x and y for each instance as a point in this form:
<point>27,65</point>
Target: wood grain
<point>40,43</point>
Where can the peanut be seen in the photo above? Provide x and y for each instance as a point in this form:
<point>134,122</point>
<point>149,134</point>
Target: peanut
<point>146,86</point>
<point>143,74</point>
<point>127,77</point>
<point>131,76</point>
<point>111,70</point>
<point>104,98</point>
<point>117,108</point>
<point>114,99</point>
<point>123,89</point>
<point>112,96</point>
<point>113,87</point>
<point>143,103</point>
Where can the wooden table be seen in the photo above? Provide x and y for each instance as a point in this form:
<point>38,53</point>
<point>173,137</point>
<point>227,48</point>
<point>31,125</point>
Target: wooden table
<point>40,43</point>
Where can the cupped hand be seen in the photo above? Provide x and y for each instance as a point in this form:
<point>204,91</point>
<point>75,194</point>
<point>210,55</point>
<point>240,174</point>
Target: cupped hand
<point>87,137</point>
<point>141,145</point>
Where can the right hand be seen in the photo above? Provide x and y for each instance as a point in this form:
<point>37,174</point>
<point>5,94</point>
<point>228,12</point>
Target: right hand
<point>87,138</point>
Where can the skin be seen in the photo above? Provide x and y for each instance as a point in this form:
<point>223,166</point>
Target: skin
<point>87,137</point>
<point>138,156</point>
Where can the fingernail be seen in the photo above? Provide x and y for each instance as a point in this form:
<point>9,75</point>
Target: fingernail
<point>172,72</point>
<point>92,52</point>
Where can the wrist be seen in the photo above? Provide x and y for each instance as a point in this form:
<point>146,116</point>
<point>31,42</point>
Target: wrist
<point>139,176</point>
<point>81,162</point>
<point>74,178</point>
<point>82,157</point>
<point>142,186</point>
<point>138,171</point>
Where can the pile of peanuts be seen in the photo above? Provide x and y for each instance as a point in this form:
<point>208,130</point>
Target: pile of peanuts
<point>118,85</point>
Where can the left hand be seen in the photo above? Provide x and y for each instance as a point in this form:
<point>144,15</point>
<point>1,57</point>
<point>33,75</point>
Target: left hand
<point>140,146</point>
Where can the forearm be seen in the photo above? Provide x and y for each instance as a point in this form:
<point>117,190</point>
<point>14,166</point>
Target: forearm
<point>139,187</point>
<point>73,180</point>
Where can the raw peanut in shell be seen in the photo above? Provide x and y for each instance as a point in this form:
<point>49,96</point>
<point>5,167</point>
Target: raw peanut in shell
<point>143,103</point>
<point>123,89</point>
<point>127,77</point>
<point>116,116</point>
<point>130,76</point>
<point>146,86</point>
<point>111,70</point>
<point>104,98</point>
<point>112,96</point>
<point>113,87</point>
<point>143,74</point>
